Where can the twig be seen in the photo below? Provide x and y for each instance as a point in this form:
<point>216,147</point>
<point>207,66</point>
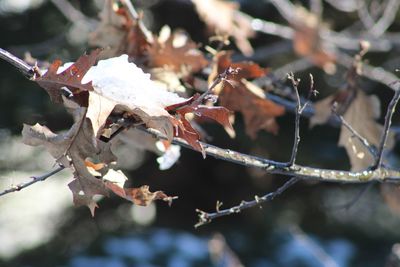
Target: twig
<point>316,7</point>
<point>386,127</point>
<point>35,179</point>
<point>356,134</point>
<point>135,16</point>
<point>387,18</point>
<point>364,15</point>
<point>295,83</point>
<point>299,110</point>
<point>70,12</point>
<point>221,77</point>
<point>377,74</point>
<point>271,28</point>
<point>205,217</point>
<point>24,68</point>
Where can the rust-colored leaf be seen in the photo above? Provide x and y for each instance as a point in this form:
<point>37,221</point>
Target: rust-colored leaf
<point>307,41</point>
<point>177,53</point>
<point>119,33</point>
<point>183,126</point>
<point>140,196</point>
<point>53,82</point>
<point>235,94</point>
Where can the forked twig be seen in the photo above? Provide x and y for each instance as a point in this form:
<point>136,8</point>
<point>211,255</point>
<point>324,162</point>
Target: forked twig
<point>299,110</point>
<point>205,217</point>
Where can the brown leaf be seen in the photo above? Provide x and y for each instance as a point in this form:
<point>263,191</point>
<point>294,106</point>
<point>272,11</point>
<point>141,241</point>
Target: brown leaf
<point>140,196</point>
<point>223,17</point>
<point>70,78</point>
<point>177,53</point>
<point>307,41</point>
<point>361,115</point>
<point>136,43</point>
<point>236,95</point>
<point>360,111</point>
<point>118,33</point>
<point>183,126</point>
<point>71,149</point>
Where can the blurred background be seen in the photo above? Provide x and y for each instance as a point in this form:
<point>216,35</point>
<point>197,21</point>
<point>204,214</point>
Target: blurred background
<point>309,225</point>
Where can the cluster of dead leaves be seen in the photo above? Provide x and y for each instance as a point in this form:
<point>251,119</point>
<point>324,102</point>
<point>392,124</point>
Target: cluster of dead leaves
<point>91,105</point>
<point>238,94</point>
<point>172,57</point>
<point>101,108</point>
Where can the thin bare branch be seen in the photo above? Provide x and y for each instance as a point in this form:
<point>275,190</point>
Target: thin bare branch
<point>364,15</point>
<point>70,12</point>
<point>316,7</point>
<point>271,28</point>
<point>387,18</point>
<point>299,110</point>
<point>356,134</point>
<point>135,16</point>
<point>35,179</point>
<point>295,83</point>
<point>386,127</point>
<point>205,217</point>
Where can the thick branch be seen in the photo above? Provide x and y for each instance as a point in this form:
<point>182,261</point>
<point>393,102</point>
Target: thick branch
<point>381,174</point>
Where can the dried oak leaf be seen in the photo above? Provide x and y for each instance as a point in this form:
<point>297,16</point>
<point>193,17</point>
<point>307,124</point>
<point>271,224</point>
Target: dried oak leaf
<point>176,52</point>
<point>307,41</point>
<point>361,112</point>
<point>118,33</point>
<point>120,86</point>
<point>192,106</point>
<point>115,180</point>
<point>71,149</point>
<point>224,18</point>
<point>123,87</point>
<point>54,80</point>
<point>237,94</point>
